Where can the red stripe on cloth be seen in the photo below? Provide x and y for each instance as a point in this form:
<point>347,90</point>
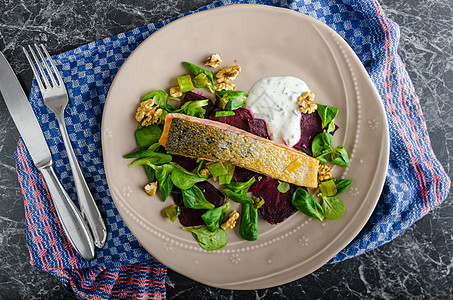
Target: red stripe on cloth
<point>48,229</point>
<point>75,287</point>
<point>108,288</point>
<point>389,98</point>
<point>68,247</point>
<point>37,238</point>
<point>426,137</point>
<point>138,281</point>
<point>141,268</point>
<point>433,171</point>
<point>44,217</point>
<point>417,166</point>
<point>104,287</point>
<point>27,217</point>
<point>138,295</point>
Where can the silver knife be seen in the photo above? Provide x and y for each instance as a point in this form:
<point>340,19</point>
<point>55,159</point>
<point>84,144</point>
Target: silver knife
<point>72,222</point>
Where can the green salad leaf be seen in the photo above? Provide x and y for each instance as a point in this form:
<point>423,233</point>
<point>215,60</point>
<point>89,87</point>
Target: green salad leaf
<point>327,114</point>
<point>322,150</point>
<point>239,198</point>
<point>333,207</point>
<point>209,240</point>
<point>341,185</point>
<point>163,178</point>
<point>240,187</point>
<point>248,228</point>
<point>194,198</point>
<point>196,70</point>
<point>307,204</point>
<point>233,99</point>
<point>193,108</point>
<point>184,179</point>
<point>146,136</point>
<point>214,217</point>
<point>339,156</point>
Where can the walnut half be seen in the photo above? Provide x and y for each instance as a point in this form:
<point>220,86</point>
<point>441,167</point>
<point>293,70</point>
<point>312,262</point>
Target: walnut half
<point>151,188</point>
<point>148,114</point>
<point>324,172</point>
<point>228,73</point>
<point>305,103</point>
<point>214,60</point>
<point>225,87</point>
<point>231,222</point>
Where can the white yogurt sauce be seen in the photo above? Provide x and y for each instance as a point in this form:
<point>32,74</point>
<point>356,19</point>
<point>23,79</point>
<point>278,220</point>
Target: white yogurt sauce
<point>274,99</point>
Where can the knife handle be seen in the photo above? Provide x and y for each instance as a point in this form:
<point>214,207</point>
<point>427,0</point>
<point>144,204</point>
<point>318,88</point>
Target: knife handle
<point>88,207</point>
<point>70,218</point>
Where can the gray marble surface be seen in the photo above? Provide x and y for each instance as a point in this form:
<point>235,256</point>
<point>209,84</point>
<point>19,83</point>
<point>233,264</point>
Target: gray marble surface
<point>416,265</point>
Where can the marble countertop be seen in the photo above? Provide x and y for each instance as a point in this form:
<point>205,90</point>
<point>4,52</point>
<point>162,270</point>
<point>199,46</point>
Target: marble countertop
<point>416,265</point>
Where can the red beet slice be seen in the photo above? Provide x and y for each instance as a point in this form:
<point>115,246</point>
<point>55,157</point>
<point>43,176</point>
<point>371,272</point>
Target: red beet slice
<point>241,118</point>
<point>310,126</point>
<point>186,162</point>
<point>241,174</point>
<point>277,206</point>
<point>190,216</point>
<point>191,96</point>
<point>259,128</point>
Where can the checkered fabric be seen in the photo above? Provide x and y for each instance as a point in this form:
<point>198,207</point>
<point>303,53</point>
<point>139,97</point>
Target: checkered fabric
<point>415,182</point>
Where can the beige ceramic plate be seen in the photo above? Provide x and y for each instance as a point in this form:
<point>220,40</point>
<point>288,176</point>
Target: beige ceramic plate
<point>265,41</point>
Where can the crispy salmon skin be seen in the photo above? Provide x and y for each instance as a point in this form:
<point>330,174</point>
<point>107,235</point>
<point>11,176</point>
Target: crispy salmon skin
<point>211,140</point>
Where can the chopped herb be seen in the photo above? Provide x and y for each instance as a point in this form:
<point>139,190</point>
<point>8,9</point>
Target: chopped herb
<point>185,83</point>
<point>224,113</point>
<point>293,166</point>
<point>328,188</point>
<point>172,212</point>
<point>200,81</point>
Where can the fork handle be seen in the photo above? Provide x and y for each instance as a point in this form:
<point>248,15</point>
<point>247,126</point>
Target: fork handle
<point>88,207</point>
<point>70,218</point>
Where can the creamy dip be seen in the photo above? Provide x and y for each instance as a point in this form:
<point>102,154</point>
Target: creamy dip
<point>274,99</point>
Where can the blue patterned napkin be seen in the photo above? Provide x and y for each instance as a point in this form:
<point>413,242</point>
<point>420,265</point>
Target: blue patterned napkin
<point>415,183</point>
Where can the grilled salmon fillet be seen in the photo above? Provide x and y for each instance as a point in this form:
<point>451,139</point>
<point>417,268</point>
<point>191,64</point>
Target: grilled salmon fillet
<point>211,140</point>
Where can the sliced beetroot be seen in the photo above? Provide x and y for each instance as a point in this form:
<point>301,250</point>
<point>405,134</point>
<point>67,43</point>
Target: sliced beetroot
<point>190,216</point>
<point>191,96</point>
<point>241,174</point>
<point>310,126</point>
<point>241,118</point>
<point>186,162</point>
<point>259,128</point>
<point>277,206</point>
<point>211,194</point>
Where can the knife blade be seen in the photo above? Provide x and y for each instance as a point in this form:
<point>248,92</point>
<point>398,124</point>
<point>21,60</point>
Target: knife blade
<point>23,116</point>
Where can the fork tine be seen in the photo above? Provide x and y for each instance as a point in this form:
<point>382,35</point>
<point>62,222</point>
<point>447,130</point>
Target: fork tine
<point>47,66</point>
<point>33,68</point>
<point>49,58</point>
<point>41,71</point>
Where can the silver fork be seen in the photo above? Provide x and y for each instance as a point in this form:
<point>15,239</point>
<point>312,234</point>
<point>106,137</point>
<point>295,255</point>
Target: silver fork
<point>56,98</point>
